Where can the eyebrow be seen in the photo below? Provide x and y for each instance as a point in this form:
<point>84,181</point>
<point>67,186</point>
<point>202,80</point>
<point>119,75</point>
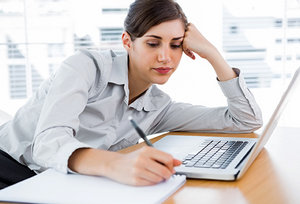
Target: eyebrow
<point>158,37</point>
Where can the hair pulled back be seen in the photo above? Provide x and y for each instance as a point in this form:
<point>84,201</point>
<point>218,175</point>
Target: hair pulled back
<point>144,14</point>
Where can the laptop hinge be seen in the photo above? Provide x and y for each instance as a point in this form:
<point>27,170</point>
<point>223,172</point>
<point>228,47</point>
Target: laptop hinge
<point>244,158</point>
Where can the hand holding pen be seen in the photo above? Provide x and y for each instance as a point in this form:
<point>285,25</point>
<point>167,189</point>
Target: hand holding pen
<point>144,137</point>
<point>145,166</point>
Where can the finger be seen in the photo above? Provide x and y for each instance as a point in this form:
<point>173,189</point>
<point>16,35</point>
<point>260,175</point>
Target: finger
<point>160,169</point>
<point>163,158</point>
<point>143,182</point>
<point>150,175</point>
<point>156,161</point>
<point>189,53</point>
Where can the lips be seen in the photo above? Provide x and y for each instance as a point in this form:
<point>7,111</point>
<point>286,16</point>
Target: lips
<point>163,70</point>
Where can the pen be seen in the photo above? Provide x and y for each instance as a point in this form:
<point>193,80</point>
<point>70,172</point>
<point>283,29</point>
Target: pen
<point>140,132</point>
<point>143,136</point>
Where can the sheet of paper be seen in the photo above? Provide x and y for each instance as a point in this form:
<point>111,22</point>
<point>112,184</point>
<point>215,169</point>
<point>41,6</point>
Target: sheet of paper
<point>54,187</point>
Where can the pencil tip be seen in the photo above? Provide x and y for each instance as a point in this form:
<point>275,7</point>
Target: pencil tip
<point>129,117</point>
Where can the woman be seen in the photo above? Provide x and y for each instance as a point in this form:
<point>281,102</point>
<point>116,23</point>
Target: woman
<point>79,117</point>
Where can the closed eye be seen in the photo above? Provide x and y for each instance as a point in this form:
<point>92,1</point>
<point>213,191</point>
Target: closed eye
<point>153,44</point>
<point>176,46</point>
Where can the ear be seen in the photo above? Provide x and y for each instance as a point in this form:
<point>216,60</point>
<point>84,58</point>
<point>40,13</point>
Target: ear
<point>126,40</point>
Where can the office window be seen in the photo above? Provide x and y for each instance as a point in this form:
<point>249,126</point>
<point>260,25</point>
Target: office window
<point>84,42</point>
<point>13,52</point>
<point>17,82</point>
<point>241,52</point>
<point>35,37</point>
<point>293,40</point>
<point>36,79</point>
<point>114,10</point>
<point>294,22</point>
<point>278,23</point>
<point>17,76</point>
<point>111,34</point>
<point>53,68</point>
<point>233,29</point>
<point>56,50</point>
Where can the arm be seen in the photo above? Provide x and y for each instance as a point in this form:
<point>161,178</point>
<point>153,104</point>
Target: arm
<point>242,113</point>
<point>195,42</point>
<point>146,166</point>
<point>55,144</point>
<point>64,99</point>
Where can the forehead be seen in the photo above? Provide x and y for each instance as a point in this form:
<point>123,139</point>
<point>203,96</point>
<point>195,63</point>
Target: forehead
<point>169,29</point>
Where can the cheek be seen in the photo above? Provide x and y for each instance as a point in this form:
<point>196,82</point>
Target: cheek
<point>140,56</point>
<point>148,56</point>
<point>177,57</point>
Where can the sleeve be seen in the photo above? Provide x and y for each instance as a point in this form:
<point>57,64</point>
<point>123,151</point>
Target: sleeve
<point>241,115</point>
<point>58,123</point>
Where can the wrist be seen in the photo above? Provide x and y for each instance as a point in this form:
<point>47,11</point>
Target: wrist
<point>212,54</point>
<point>91,161</point>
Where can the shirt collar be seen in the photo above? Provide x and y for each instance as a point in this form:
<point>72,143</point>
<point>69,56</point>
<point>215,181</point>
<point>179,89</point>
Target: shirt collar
<point>151,100</point>
<point>119,72</point>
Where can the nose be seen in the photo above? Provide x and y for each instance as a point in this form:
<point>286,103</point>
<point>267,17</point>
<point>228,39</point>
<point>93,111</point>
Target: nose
<point>164,55</point>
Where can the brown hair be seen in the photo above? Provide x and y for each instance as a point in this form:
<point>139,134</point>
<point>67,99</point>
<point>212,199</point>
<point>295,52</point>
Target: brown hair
<point>144,14</point>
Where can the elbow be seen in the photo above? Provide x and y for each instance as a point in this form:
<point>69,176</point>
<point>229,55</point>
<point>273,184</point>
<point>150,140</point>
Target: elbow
<point>258,121</point>
<point>247,124</point>
<point>254,122</point>
<point>42,151</point>
<point>253,125</point>
<point>257,125</point>
<point>37,155</point>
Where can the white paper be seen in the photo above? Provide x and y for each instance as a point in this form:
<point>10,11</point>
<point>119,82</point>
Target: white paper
<point>54,187</point>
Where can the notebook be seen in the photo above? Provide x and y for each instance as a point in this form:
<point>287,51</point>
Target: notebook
<point>55,187</point>
<point>222,158</point>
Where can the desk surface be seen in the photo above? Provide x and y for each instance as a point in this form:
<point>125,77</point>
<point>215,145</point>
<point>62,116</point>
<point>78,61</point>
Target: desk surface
<point>274,177</point>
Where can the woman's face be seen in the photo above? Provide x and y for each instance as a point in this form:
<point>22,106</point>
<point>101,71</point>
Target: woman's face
<point>154,57</point>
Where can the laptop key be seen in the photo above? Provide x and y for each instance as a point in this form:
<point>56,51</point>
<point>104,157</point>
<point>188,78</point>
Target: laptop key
<point>215,154</point>
<point>235,149</point>
<point>190,163</point>
<point>189,156</point>
<point>217,165</point>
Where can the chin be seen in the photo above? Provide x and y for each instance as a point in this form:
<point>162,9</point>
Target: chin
<point>160,79</point>
<point>161,82</point>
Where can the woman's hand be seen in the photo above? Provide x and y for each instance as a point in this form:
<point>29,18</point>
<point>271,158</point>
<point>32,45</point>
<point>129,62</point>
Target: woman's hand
<point>146,166</point>
<point>195,42</point>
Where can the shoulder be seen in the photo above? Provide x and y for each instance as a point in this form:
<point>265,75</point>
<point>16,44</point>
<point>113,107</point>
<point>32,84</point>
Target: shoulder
<point>90,64</point>
<point>90,58</point>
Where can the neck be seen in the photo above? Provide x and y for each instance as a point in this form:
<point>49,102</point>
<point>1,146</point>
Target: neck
<point>136,88</point>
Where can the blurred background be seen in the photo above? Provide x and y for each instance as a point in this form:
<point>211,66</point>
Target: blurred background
<point>261,37</point>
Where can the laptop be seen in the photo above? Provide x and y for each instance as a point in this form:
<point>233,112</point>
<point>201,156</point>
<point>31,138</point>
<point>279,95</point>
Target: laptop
<point>222,158</point>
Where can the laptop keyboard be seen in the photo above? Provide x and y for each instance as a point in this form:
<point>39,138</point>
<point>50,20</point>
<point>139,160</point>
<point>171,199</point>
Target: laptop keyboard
<point>215,154</point>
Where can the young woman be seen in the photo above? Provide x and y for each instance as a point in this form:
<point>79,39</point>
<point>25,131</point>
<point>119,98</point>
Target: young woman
<point>78,118</point>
